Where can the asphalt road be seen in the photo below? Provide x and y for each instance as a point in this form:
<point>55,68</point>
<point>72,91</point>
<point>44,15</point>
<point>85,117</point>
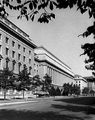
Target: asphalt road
<point>50,109</point>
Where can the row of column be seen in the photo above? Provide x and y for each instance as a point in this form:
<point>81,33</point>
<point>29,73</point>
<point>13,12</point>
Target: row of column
<point>53,73</point>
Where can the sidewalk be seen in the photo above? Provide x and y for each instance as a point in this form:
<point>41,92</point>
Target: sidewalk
<point>16,101</point>
<point>28,100</point>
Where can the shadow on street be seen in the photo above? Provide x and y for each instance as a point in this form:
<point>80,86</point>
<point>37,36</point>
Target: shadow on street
<point>82,104</point>
<point>74,108</point>
<point>31,115</point>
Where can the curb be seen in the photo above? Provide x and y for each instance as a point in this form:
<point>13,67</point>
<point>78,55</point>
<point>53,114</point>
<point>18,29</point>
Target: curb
<point>14,103</point>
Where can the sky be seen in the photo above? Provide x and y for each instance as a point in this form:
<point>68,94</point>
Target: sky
<point>60,36</point>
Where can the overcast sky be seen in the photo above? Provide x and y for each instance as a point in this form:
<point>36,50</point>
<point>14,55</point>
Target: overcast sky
<point>60,36</point>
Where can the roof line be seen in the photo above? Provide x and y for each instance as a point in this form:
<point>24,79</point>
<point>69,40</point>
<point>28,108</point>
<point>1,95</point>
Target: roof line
<point>53,55</point>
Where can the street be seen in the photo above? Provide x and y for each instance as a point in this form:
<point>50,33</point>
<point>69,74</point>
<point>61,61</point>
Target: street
<point>51,109</point>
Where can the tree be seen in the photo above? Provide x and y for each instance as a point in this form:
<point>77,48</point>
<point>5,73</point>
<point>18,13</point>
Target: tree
<point>58,92</point>
<point>52,91</point>
<point>92,92</point>
<point>36,82</point>
<point>75,89</point>
<point>30,8</point>
<point>46,83</point>
<point>70,89</point>
<point>67,89</point>
<point>85,90</point>
<point>6,80</point>
<point>23,79</point>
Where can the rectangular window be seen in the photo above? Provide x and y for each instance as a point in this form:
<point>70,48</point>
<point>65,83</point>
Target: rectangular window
<point>0,36</point>
<point>30,69</point>
<point>23,49</point>
<point>23,58</point>
<point>18,47</point>
<point>19,56</point>
<point>29,52</point>
<point>29,61</point>
<point>0,63</point>
<point>7,51</point>
<point>13,66</point>
<point>13,43</point>
<point>13,54</point>
<point>7,39</point>
<point>0,48</point>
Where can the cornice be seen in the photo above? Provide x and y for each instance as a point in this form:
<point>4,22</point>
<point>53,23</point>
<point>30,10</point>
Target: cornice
<point>12,31</point>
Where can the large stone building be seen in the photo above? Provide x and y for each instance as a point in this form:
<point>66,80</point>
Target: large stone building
<point>17,50</point>
<point>81,82</point>
<point>47,63</point>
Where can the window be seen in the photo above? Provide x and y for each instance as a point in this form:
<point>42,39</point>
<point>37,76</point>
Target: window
<point>6,64</point>
<point>23,49</point>
<point>29,52</point>
<point>13,54</point>
<point>7,39</point>
<point>23,58</point>
<point>13,43</point>
<point>0,36</point>
<point>7,51</point>
<point>19,56</point>
<point>13,66</point>
<point>18,47</point>
<point>30,69</point>
<point>29,61</point>
<point>0,62</point>
<point>7,61</point>
<point>0,48</point>
<point>19,66</point>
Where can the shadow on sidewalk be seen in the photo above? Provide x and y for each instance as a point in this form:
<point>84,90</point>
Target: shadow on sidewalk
<point>31,115</point>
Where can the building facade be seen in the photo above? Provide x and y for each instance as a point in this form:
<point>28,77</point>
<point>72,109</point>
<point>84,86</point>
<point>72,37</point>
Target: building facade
<point>81,82</point>
<point>16,48</point>
<point>47,63</point>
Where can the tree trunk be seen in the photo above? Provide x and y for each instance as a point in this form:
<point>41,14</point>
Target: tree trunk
<point>4,94</point>
<point>23,94</point>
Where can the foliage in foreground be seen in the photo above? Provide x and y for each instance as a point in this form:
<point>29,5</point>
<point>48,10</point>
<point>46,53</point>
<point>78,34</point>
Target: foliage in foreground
<point>6,80</point>
<point>23,79</point>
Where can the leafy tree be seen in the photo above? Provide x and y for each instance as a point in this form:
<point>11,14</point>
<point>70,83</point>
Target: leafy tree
<point>75,89</point>
<point>6,80</point>
<point>52,91</point>
<point>30,8</point>
<point>85,90</point>
<point>36,82</point>
<point>92,92</point>
<point>23,79</point>
<point>58,92</point>
<point>46,83</point>
<point>70,89</point>
<point>67,89</point>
